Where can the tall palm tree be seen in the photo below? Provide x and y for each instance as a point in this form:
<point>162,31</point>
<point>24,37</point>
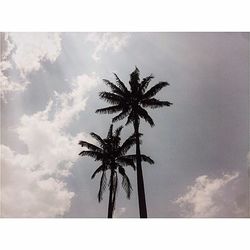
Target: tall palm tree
<point>131,103</point>
<point>113,156</point>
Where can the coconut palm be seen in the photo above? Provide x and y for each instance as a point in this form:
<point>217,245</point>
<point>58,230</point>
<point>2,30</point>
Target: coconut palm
<point>113,157</point>
<point>131,103</point>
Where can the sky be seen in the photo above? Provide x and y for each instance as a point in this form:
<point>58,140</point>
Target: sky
<point>49,93</point>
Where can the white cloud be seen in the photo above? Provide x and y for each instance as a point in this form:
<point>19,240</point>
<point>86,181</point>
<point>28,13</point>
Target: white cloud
<point>31,49</point>
<point>28,193</point>
<point>24,53</point>
<point>71,104</point>
<point>107,41</point>
<point>6,84</point>
<point>33,183</point>
<point>209,197</point>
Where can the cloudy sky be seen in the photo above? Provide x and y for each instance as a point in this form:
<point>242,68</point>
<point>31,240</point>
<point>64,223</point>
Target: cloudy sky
<point>49,92</point>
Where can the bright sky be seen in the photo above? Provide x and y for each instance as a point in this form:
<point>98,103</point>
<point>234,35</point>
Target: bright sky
<point>49,93</point>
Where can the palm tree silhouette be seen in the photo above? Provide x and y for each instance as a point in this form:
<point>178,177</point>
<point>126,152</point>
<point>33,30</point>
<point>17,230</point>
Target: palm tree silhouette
<point>132,103</point>
<point>112,156</point>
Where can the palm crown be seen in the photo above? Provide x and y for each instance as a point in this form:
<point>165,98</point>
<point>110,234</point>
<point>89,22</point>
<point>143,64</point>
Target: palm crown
<point>132,103</point>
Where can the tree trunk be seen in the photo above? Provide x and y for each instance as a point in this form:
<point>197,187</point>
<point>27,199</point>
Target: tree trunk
<point>110,206</point>
<point>140,182</point>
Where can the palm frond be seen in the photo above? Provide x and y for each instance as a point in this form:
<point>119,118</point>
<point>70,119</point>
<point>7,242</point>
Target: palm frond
<point>125,182</point>
<point>99,169</point>
<point>144,114</point>
<point>118,131</point>
<point>121,116</point>
<point>111,97</point>
<point>90,146</point>
<point>132,118</point>
<point>155,89</point>
<point>143,158</point>
<point>96,155</point>
<point>110,133</point>
<point>134,79</point>
<point>109,110</point>
<point>147,159</point>
<point>114,88</point>
<point>154,103</point>
<point>127,144</point>
<point>98,139</point>
<point>103,185</point>
<point>125,161</point>
<point>121,84</point>
<point>144,83</point>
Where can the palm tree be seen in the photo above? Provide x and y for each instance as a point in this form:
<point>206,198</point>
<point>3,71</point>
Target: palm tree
<point>131,103</point>
<point>113,157</point>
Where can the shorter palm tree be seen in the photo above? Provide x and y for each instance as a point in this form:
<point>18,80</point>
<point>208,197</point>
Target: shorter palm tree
<point>113,157</point>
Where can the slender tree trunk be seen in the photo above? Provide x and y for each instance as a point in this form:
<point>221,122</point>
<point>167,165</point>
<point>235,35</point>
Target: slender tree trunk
<point>110,206</point>
<point>140,182</point>
<point>114,191</point>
